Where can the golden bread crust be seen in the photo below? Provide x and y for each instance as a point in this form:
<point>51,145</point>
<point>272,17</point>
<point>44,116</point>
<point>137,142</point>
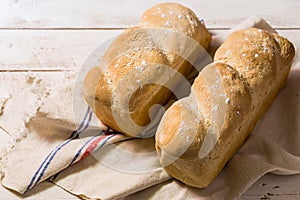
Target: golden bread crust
<point>250,81</point>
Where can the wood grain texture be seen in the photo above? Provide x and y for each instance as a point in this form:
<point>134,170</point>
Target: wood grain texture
<point>42,50</point>
<point>288,185</point>
<point>48,50</point>
<point>45,38</point>
<point>119,14</point>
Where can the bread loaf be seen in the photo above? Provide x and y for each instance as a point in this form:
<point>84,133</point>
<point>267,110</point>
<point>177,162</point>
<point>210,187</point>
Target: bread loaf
<point>122,91</point>
<point>200,133</point>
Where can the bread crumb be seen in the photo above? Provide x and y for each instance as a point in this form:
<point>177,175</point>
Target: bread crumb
<point>269,131</point>
<point>2,105</point>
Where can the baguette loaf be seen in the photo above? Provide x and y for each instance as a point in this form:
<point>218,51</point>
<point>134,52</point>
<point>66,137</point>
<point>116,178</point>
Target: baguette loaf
<point>200,133</point>
<point>121,95</point>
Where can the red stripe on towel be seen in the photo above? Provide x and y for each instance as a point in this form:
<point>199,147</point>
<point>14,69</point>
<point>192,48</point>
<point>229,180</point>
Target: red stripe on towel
<point>92,146</point>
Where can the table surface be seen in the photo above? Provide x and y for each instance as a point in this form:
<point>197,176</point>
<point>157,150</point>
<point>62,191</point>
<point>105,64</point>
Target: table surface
<point>45,38</point>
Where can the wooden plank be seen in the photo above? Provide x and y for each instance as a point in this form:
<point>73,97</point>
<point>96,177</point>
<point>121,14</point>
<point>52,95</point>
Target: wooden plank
<point>119,14</point>
<point>268,187</point>
<point>62,49</point>
<point>86,41</point>
<point>265,188</point>
<point>48,50</point>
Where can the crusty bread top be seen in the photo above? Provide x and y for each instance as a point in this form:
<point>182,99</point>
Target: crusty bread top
<point>128,67</point>
<point>179,18</point>
<point>257,57</point>
<point>191,117</point>
<point>137,68</point>
<point>243,61</point>
<point>252,66</point>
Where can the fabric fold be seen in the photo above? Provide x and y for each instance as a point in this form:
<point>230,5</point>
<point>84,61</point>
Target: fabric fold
<point>70,154</point>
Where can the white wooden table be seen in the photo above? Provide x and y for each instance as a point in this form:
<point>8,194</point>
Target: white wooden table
<point>46,38</point>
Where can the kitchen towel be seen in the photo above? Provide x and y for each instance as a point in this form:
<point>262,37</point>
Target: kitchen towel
<point>89,160</point>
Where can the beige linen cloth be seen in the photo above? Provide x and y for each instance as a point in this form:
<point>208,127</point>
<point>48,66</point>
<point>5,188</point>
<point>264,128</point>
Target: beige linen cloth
<point>53,151</point>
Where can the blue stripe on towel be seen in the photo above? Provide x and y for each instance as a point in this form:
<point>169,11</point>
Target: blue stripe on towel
<point>53,153</point>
